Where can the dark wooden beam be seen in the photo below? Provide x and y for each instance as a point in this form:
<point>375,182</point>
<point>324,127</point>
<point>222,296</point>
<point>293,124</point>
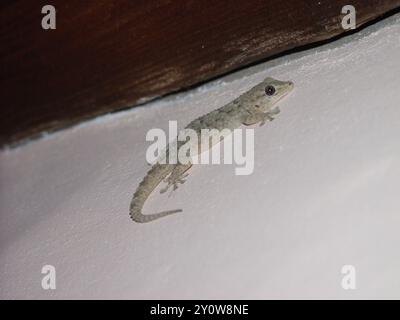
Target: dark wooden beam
<point>109,55</point>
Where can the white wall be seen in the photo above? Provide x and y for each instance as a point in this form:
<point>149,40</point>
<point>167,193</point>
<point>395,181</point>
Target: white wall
<point>325,193</point>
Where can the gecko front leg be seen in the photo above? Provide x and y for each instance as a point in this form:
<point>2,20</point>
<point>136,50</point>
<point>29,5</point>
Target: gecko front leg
<point>257,116</point>
<point>176,177</point>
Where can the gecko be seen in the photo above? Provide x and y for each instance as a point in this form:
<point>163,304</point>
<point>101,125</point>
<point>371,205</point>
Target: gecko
<point>257,105</point>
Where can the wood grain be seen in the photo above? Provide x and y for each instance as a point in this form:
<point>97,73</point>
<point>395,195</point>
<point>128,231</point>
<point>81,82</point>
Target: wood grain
<point>109,55</point>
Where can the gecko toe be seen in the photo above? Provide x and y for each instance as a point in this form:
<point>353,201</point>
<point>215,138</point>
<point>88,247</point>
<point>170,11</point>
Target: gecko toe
<point>163,190</point>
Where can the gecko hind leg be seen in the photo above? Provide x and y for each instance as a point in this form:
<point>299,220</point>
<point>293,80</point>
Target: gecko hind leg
<point>176,177</point>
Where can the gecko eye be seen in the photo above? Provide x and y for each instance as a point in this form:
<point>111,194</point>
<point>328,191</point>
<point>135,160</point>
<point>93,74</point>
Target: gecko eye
<point>270,90</point>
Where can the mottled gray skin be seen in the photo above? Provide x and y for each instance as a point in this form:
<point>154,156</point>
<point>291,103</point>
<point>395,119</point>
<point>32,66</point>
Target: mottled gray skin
<point>254,106</point>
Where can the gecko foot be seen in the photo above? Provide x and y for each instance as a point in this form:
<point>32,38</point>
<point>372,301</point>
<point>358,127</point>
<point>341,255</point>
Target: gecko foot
<point>275,111</point>
<point>266,116</point>
<point>174,182</point>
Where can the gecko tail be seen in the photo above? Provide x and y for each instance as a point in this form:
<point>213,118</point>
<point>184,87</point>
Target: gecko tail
<point>155,176</point>
<point>143,218</point>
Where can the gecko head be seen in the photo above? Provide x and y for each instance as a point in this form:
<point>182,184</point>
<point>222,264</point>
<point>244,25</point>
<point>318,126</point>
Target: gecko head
<point>271,91</point>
